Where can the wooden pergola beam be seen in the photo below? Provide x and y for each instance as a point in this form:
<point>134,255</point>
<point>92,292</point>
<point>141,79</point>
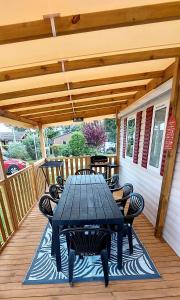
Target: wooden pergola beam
<point>83,109</point>
<point>85,114</point>
<point>91,22</point>
<point>81,84</point>
<point>83,96</point>
<point>68,104</point>
<point>12,116</point>
<point>171,154</point>
<point>80,64</point>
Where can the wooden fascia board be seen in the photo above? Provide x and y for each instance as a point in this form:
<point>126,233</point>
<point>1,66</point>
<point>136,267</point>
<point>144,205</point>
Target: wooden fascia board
<point>11,116</point>
<point>80,23</point>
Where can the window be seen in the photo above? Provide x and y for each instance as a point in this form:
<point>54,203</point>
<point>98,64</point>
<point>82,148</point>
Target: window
<point>130,137</point>
<point>157,137</point>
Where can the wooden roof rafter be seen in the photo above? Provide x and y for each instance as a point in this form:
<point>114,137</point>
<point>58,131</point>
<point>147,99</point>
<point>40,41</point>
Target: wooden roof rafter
<point>91,22</point>
<point>81,84</point>
<point>51,101</point>
<point>86,63</point>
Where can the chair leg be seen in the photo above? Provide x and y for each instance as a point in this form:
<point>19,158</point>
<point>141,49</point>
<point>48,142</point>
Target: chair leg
<point>104,259</point>
<point>72,257</point>
<point>129,232</point>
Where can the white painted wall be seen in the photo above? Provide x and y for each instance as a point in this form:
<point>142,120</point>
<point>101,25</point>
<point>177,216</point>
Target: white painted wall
<point>147,181</point>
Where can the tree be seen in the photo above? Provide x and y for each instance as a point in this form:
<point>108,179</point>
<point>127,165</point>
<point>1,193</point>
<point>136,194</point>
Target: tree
<point>94,134</point>
<point>110,128</point>
<point>17,150</point>
<point>77,144</point>
<point>32,145</point>
<point>51,133</point>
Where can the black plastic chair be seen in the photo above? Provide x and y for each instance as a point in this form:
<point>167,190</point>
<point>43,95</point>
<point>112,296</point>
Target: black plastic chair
<point>46,208</point>
<point>55,191</point>
<point>88,241</point>
<point>127,189</point>
<point>60,181</point>
<point>85,172</point>
<point>136,206</point>
<point>113,182</point>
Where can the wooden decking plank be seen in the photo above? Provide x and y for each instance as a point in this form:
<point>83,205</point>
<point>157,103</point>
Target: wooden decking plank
<point>16,258</point>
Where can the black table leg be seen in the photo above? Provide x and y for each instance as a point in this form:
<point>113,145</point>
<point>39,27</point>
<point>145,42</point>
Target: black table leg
<point>119,247</point>
<point>56,247</point>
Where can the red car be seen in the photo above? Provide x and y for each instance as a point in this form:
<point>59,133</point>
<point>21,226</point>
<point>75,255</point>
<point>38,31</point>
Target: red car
<point>13,165</point>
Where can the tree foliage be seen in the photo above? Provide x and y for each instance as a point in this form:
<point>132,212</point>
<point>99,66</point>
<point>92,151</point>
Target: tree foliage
<point>29,142</point>
<point>17,150</point>
<point>94,134</point>
<point>110,128</point>
<point>77,144</point>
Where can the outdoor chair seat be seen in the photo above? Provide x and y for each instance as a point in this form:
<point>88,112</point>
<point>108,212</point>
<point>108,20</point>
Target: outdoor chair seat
<point>126,190</point>
<point>88,241</point>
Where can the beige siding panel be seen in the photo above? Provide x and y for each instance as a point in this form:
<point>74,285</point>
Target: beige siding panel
<point>148,183</point>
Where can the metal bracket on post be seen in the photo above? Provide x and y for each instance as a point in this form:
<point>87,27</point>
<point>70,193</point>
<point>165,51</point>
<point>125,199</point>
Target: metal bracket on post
<point>51,17</point>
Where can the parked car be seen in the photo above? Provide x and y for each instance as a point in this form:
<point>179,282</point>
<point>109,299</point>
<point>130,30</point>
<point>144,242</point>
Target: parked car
<point>13,165</point>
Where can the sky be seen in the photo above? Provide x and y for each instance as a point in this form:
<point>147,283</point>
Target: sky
<point>4,128</point>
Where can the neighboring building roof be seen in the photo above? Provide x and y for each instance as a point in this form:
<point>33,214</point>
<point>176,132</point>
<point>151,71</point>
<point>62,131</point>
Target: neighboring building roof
<point>9,136</point>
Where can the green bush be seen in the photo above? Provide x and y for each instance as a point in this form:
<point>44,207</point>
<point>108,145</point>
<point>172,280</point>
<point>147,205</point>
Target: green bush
<point>77,144</point>
<point>61,150</point>
<point>56,150</point>
<point>18,150</point>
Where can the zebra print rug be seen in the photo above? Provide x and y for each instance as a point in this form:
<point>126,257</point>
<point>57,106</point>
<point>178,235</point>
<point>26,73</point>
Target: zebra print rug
<point>135,266</point>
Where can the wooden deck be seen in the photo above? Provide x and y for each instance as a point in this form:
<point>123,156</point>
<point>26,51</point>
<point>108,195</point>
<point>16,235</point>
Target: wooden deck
<point>16,257</point>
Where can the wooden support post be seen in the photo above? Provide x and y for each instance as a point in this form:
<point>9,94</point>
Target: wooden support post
<point>171,154</point>
<point>42,141</point>
<point>118,126</point>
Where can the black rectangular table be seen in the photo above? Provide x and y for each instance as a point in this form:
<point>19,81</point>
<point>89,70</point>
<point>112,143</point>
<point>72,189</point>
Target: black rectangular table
<point>89,203</point>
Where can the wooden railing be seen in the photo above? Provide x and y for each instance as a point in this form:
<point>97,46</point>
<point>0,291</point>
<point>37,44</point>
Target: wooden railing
<point>72,164</point>
<point>18,193</point>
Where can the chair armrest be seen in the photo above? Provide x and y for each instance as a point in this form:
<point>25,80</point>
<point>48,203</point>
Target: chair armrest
<point>116,189</point>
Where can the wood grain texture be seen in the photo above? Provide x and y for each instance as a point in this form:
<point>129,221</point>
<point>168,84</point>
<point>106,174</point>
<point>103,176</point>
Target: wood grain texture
<point>171,154</point>
<point>91,22</point>
<point>17,257</point>
<point>86,63</point>
<point>81,84</point>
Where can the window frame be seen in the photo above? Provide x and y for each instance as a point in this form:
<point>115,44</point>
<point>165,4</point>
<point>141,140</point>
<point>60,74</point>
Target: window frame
<point>131,117</point>
<point>158,106</point>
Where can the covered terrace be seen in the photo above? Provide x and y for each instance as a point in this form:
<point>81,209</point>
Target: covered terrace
<point>63,60</point>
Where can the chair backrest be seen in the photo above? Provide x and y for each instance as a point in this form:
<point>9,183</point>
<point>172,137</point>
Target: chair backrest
<point>45,207</point>
<point>85,172</point>
<point>60,180</point>
<point>87,241</point>
<point>136,206</point>
<point>127,189</point>
<point>115,181</point>
<point>54,191</point>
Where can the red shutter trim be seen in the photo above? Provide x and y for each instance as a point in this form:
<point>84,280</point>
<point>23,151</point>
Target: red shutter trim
<point>165,151</point>
<point>124,138</point>
<point>137,137</point>
<point>147,135</point>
